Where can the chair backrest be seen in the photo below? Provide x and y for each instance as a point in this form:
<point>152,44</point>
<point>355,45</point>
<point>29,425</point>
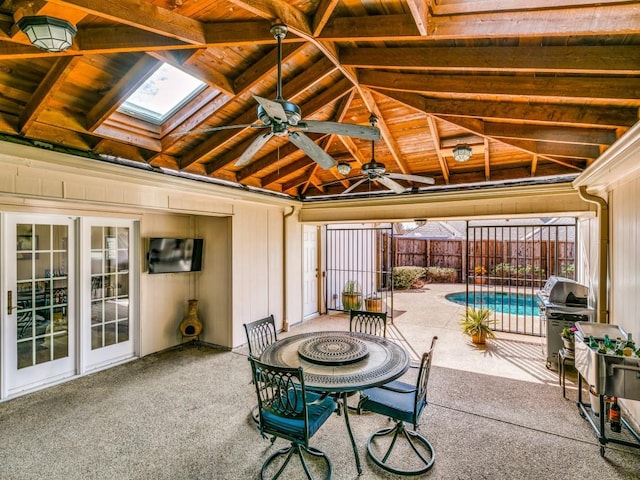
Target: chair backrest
<point>282,400</point>
<point>260,334</point>
<point>374,323</point>
<point>422,380</point>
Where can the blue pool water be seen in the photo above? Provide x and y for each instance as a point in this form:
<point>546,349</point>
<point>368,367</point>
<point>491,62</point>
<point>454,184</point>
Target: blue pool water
<point>512,303</point>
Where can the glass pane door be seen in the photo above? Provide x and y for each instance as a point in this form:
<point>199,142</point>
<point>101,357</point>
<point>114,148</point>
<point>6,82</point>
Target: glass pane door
<point>39,344</point>
<point>108,336</point>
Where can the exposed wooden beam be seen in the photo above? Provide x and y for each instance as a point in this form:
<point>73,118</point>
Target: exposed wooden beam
<point>570,115</point>
<point>598,90</point>
<point>435,136</point>
<point>135,77</point>
<point>285,13</point>
<point>420,15</point>
<point>597,20</point>
<point>597,60</point>
<point>478,6</point>
<point>142,15</point>
<point>49,85</point>
<point>322,14</point>
<point>559,134</point>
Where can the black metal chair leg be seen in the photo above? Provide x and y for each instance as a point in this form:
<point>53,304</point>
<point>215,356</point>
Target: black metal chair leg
<point>296,449</point>
<point>399,430</point>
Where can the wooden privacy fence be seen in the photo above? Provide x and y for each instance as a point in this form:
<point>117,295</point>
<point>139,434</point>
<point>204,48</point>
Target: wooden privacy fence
<point>499,258</point>
<point>423,252</point>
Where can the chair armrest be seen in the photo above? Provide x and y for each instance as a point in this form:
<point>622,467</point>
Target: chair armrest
<point>397,390</point>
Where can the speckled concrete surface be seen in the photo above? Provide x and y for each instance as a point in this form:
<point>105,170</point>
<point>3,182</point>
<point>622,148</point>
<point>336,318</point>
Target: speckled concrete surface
<point>494,413</point>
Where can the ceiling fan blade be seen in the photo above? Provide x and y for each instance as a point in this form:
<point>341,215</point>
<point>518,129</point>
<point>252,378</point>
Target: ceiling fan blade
<point>391,184</point>
<point>317,154</point>
<point>215,129</point>
<point>352,187</point>
<point>253,148</point>
<point>273,109</point>
<point>412,178</point>
<point>338,128</point>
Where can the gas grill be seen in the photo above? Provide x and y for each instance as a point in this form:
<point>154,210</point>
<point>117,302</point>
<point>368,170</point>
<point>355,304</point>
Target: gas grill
<point>561,303</point>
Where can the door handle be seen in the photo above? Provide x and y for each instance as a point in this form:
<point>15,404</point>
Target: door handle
<point>9,302</point>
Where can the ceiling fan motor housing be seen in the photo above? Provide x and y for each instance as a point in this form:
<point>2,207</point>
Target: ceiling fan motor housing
<point>294,115</point>
<point>373,169</point>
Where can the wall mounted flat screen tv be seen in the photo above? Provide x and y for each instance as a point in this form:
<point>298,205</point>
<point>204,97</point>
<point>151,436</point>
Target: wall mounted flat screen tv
<point>173,255</point>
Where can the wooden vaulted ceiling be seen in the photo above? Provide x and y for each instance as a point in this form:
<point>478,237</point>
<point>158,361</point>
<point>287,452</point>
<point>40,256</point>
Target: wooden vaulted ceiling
<point>537,88</point>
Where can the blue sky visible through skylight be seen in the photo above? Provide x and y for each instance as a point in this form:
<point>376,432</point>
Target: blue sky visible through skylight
<point>162,94</point>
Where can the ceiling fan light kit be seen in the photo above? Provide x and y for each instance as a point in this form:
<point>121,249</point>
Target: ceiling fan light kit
<point>48,33</point>
<point>284,119</point>
<point>462,153</point>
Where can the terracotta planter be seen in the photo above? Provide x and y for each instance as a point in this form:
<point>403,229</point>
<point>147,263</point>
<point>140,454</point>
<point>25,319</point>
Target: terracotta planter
<point>373,304</point>
<point>479,338</point>
<point>480,280</point>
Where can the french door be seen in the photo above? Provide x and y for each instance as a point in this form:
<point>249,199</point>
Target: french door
<point>107,333</point>
<point>68,309</point>
<point>38,327</point>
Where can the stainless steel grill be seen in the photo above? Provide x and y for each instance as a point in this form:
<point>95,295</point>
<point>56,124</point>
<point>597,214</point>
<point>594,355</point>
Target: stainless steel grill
<point>562,302</point>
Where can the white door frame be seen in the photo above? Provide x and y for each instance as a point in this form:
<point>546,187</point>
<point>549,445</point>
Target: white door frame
<point>95,359</point>
<point>17,381</point>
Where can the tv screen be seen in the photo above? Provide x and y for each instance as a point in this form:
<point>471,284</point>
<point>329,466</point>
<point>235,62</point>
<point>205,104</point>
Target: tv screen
<point>171,255</point>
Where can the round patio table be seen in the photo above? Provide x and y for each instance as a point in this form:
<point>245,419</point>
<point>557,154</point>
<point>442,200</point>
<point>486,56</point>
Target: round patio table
<point>340,362</point>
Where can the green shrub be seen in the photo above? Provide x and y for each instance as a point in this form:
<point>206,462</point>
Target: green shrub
<point>405,277</point>
<point>441,275</point>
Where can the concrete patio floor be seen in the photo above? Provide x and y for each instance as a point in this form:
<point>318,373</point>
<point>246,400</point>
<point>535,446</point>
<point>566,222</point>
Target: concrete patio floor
<point>422,313</point>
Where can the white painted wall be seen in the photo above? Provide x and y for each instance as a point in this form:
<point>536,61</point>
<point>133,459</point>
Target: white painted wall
<point>615,177</point>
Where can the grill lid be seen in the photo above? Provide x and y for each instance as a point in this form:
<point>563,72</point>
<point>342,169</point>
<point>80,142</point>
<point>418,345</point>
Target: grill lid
<point>564,291</point>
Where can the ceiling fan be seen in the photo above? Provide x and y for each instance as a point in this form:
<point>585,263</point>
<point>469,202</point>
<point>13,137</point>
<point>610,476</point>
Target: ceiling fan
<point>377,172</point>
<point>284,118</point>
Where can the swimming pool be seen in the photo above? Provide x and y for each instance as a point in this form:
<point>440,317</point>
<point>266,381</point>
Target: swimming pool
<point>511,303</point>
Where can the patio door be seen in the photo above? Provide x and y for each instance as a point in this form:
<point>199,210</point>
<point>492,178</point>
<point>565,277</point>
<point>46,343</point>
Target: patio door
<point>310,268</point>
<point>107,330</point>
<point>38,327</point>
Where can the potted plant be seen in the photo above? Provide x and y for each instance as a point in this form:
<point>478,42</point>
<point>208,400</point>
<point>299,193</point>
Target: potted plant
<point>568,335</point>
<point>479,273</point>
<point>477,324</point>
<point>351,296</point>
<point>373,303</point>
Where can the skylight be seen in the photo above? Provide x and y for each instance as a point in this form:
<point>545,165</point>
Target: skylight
<point>164,92</point>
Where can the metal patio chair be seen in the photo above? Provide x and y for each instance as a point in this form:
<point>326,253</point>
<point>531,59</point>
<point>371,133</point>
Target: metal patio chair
<point>401,402</point>
<point>374,323</point>
<point>260,334</point>
<point>287,410</point>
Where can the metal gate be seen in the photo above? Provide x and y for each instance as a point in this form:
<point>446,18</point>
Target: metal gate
<point>507,264</point>
<point>359,269</point>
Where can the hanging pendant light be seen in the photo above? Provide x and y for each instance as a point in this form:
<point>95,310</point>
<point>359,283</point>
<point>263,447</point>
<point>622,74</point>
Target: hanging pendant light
<point>48,33</point>
<point>462,153</point>
<point>344,168</point>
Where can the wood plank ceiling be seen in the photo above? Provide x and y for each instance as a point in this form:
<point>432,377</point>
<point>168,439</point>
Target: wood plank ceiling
<point>537,88</point>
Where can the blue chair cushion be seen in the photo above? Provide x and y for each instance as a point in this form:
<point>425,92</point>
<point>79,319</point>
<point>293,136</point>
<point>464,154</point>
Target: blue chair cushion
<point>294,428</point>
<point>392,404</point>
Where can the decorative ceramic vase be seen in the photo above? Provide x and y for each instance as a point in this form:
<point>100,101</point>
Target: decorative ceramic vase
<point>191,326</point>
